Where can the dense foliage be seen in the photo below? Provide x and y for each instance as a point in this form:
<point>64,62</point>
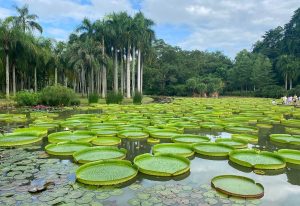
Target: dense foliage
<point>26,98</point>
<point>114,97</point>
<point>137,98</point>
<point>93,98</point>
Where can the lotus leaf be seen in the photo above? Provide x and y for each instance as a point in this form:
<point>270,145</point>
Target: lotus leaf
<point>105,132</point>
<point>181,149</point>
<point>189,138</point>
<point>256,159</point>
<point>162,164</point>
<point>238,186</point>
<point>99,153</point>
<point>106,141</point>
<point>19,138</point>
<point>213,149</point>
<point>106,172</point>
<point>236,143</point>
<point>163,134</point>
<point>76,136</point>
<point>290,155</point>
<point>65,148</point>
<point>153,141</point>
<point>246,137</point>
<point>133,134</point>
<point>285,139</point>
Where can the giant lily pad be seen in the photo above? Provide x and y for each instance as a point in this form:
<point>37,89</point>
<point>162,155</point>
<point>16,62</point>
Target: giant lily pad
<point>65,148</point>
<point>133,134</point>
<point>106,141</point>
<point>162,164</point>
<point>99,153</point>
<point>189,138</point>
<point>256,159</point>
<point>40,131</point>
<point>105,132</point>
<point>291,123</point>
<point>106,172</point>
<point>163,134</point>
<point>290,155</point>
<point>76,136</point>
<point>244,129</point>
<point>285,139</point>
<point>174,148</point>
<point>213,149</point>
<point>238,186</point>
<point>236,143</point>
<point>19,138</point>
<point>246,137</point>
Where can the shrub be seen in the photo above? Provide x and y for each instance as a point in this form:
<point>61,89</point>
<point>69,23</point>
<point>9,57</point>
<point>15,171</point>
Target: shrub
<point>114,98</point>
<point>137,98</point>
<point>271,91</point>
<point>26,98</point>
<point>58,96</point>
<point>93,98</point>
<point>295,90</point>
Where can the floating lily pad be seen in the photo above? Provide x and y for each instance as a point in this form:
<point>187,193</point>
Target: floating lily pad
<point>76,136</point>
<point>106,141</point>
<point>162,164</point>
<point>292,130</point>
<point>190,138</point>
<point>290,155</point>
<point>153,141</point>
<point>40,131</point>
<point>19,138</point>
<point>174,148</point>
<point>133,134</point>
<point>213,149</point>
<point>65,148</point>
<point>256,159</point>
<point>237,129</point>
<point>236,143</point>
<point>105,132</point>
<point>246,137</point>
<point>163,134</point>
<point>237,186</point>
<point>291,123</point>
<point>106,172</point>
<point>285,139</point>
<point>99,153</point>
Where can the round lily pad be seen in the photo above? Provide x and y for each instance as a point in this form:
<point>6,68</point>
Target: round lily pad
<point>19,138</point>
<point>237,129</point>
<point>292,130</point>
<point>290,155</point>
<point>285,139</point>
<point>105,132</point>
<point>237,186</point>
<point>190,138</point>
<point>66,148</point>
<point>153,141</point>
<point>256,159</point>
<point>133,134</point>
<point>162,164</point>
<point>246,137</point>
<point>236,143</point>
<point>213,149</point>
<point>106,172</point>
<point>163,134</point>
<point>181,149</point>
<point>99,153</point>
<point>106,141</point>
<point>76,136</point>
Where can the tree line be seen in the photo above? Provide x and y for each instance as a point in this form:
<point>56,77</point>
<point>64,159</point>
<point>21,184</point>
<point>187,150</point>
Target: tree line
<point>120,53</point>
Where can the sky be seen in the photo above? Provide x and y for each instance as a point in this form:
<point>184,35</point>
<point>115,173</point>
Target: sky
<point>212,25</point>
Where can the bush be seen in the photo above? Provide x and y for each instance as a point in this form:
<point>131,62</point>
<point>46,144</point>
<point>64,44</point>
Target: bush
<point>271,91</point>
<point>93,98</point>
<point>114,98</point>
<point>295,90</point>
<point>58,96</point>
<point>137,98</point>
<point>26,98</point>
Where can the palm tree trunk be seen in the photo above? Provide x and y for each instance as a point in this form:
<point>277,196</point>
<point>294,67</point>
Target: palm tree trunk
<point>116,87</point>
<point>128,71</point>
<point>286,81</point>
<point>133,71</point>
<point>142,71</point>
<point>92,81</point>
<point>139,71</point>
<point>104,79</point>
<point>7,76</point>
<point>14,79</point>
<point>35,80</point>
<point>55,76</point>
<point>122,73</point>
<point>291,83</point>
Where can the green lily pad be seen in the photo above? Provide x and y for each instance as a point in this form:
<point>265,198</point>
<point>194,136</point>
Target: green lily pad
<point>162,164</point>
<point>133,134</point>
<point>19,138</point>
<point>163,134</point>
<point>65,148</point>
<point>256,159</point>
<point>237,186</point>
<point>190,138</point>
<point>237,129</point>
<point>76,136</point>
<point>106,141</point>
<point>105,132</point>
<point>174,148</point>
<point>99,153</point>
<point>236,143</point>
<point>285,139</point>
<point>246,137</point>
<point>213,149</point>
<point>106,172</point>
<point>153,141</point>
<point>290,155</point>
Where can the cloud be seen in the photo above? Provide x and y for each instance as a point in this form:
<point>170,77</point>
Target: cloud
<point>5,12</point>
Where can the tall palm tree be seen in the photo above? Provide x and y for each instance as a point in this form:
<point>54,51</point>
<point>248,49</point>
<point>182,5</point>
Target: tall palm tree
<point>284,65</point>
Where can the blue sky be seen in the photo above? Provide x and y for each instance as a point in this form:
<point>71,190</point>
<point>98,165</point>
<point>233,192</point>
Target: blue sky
<point>224,25</point>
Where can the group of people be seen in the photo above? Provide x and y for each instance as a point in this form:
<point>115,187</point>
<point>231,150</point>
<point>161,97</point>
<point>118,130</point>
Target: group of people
<point>291,100</point>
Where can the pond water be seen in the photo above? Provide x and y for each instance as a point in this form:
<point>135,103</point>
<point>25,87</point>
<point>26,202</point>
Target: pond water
<point>25,167</point>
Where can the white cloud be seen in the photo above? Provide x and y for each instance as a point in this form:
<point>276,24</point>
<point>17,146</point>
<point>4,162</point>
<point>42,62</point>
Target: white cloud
<point>5,12</point>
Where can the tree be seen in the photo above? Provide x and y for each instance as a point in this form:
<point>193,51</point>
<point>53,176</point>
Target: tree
<point>285,65</point>
<point>261,74</point>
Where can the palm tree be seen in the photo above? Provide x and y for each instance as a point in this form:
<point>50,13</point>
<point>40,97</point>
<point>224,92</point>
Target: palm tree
<point>284,66</point>
<point>27,21</point>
